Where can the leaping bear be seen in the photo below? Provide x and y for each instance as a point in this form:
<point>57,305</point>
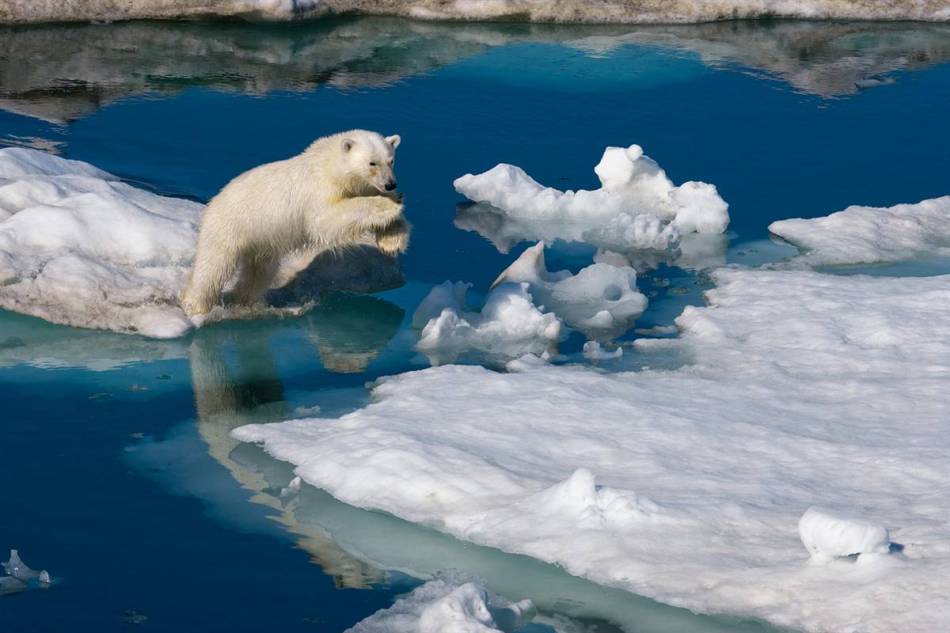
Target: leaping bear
<point>332,195</point>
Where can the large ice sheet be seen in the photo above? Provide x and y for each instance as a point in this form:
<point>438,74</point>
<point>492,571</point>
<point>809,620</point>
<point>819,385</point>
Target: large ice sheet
<point>636,208</point>
<point>688,486</point>
<point>79,247</point>
<point>630,11</point>
<point>871,235</point>
<point>447,605</point>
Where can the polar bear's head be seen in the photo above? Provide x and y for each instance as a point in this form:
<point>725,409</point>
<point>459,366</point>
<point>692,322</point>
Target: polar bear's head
<point>369,158</point>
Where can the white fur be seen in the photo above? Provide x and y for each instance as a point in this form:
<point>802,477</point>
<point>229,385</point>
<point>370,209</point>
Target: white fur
<point>269,222</point>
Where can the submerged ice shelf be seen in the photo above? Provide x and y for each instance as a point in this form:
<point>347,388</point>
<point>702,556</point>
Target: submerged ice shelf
<point>587,469</point>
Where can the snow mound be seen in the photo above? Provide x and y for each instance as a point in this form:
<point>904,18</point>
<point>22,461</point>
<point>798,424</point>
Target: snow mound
<point>827,535</point>
<point>623,11</point>
<point>870,235</point>
<point>443,605</point>
<point>600,300</point>
<point>803,389</point>
<point>79,247</point>
<point>637,206</point>
<point>508,325</point>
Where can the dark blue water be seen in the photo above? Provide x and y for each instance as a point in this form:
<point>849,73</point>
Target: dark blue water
<point>117,473</point>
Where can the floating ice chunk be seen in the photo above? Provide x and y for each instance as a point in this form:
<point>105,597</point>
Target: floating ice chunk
<point>20,577</point>
<point>508,325</point>
<point>828,535</point>
<point>600,300</point>
<point>868,235</point>
<point>637,206</point>
<point>444,605</point>
<point>594,351</point>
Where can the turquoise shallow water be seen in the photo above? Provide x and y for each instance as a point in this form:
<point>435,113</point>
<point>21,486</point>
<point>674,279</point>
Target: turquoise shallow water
<point>120,477</point>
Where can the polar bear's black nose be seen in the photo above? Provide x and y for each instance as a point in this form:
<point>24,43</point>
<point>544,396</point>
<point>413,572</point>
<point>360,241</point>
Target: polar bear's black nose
<point>390,185</point>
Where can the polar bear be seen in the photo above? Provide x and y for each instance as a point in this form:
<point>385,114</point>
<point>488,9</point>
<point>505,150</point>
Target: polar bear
<point>271,221</point>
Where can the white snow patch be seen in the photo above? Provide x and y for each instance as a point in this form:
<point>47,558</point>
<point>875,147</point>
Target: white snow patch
<point>79,247</point>
<point>446,605</point>
<point>804,390</point>
<point>870,235</point>
<point>637,206</point>
<point>827,535</point>
<point>508,325</point>
<point>601,299</point>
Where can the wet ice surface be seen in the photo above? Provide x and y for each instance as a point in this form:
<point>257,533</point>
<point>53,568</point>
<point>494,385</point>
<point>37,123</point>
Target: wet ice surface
<point>140,430</point>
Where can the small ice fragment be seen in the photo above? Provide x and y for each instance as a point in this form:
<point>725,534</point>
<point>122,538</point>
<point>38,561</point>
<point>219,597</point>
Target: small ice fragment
<point>601,299</point>
<point>594,351</point>
<point>44,578</point>
<point>291,489</point>
<point>827,535</point>
<point>17,568</point>
<point>509,324</point>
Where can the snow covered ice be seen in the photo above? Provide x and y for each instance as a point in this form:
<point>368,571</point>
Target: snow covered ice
<point>446,605</point>
<point>871,235</point>
<point>600,300</point>
<point>803,390</point>
<point>626,11</point>
<point>79,247</point>
<point>508,325</point>
<point>636,208</point>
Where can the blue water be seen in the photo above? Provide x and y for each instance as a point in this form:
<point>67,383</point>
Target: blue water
<point>117,474</point>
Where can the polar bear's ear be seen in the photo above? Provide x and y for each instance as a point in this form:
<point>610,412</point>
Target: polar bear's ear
<point>347,144</point>
<point>394,140</point>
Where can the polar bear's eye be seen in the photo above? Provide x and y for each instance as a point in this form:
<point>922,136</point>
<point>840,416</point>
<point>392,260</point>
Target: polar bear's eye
<point>372,164</point>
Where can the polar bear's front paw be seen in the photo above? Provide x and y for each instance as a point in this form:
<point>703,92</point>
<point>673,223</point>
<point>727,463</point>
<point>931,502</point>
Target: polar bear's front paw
<point>393,239</point>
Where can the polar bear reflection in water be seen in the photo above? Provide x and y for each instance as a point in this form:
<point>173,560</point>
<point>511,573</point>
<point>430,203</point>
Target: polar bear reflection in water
<point>236,381</point>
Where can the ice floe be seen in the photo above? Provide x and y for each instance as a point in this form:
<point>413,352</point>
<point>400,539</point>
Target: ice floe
<point>601,300</point>
<point>636,208</point>
<point>20,577</point>
<point>447,605</point>
<point>803,389</point>
<point>79,247</point>
<point>508,324</point>
<point>871,235</point>
<point>642,11</point>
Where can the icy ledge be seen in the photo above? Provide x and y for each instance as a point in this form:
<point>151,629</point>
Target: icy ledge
<point>871,235</point>
<point>447,605</point>
<point>79,247</point>
<point>688,486</point>
<point>636,208</point>
<point>620,11</point>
